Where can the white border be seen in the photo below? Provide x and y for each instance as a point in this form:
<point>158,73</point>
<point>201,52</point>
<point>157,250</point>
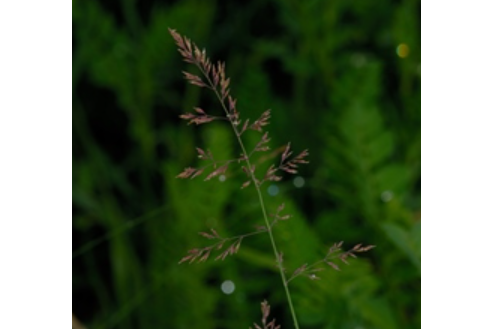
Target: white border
<point>35,164</point>
<point>457,164</point>
<point>35,168</point>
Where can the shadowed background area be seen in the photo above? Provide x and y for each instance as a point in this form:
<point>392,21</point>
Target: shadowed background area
<point>342,78</point>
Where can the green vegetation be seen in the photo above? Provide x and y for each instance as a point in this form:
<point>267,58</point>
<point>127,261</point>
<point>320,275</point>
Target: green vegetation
<point>331,74</point>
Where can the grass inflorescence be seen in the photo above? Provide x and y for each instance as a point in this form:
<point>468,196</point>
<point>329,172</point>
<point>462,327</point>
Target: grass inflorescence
<point>214,78</point>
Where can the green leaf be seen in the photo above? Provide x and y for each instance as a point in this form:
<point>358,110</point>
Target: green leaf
<point>408,241</point>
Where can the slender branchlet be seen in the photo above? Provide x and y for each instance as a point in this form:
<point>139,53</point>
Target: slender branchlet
<point>213,77</point>
<point>334,253</point>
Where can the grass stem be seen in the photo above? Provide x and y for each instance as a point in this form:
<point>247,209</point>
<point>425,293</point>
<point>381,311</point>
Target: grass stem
<point>262,204</point>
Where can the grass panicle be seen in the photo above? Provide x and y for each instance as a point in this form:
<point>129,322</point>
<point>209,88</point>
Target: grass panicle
<point>214,78</point>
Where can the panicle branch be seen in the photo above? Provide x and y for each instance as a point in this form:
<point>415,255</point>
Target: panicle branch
<point>202,254</point>
<point>261,122</point>
<point>265,312</point>
<point>277,216</point>
<point>334,253</point>
<point>200,118</point>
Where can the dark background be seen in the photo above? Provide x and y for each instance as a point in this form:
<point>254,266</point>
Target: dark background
<point>342,78</point>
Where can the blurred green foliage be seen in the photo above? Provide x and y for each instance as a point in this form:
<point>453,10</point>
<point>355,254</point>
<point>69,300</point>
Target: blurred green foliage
<point>331,75</point>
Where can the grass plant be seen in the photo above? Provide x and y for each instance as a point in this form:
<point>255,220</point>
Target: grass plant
<point>214,78</point>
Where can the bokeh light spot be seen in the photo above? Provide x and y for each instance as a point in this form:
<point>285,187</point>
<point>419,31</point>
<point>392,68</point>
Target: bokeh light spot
<point>386,196</point>
<point>273,190</point>
<point>222,178</point>
<point>402,50</point>
<point>228,287</point>
<point>358,60</point>
<point>299,182</point>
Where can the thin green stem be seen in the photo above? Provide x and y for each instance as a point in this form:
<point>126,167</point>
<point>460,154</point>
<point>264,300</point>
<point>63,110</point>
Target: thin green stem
<point>262,204</point>
<point>282,274</point>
